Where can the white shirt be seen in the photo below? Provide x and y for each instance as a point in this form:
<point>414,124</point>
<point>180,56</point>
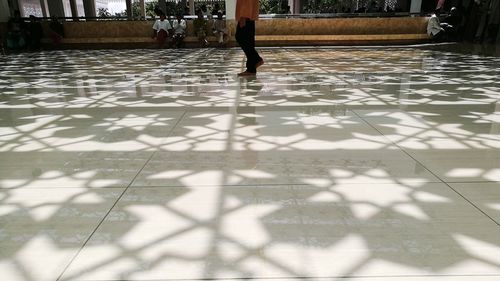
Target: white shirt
<point>220,25</point>
<point>159,25</point>
<point>433,26</point>
<point>179,28</point>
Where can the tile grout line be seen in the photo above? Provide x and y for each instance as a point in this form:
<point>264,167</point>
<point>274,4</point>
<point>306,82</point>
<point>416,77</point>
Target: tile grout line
<point>360,278</point>
<point>114,204</point>
<point>427,169</point>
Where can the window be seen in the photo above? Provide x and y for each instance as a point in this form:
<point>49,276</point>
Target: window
<point>30,7</point>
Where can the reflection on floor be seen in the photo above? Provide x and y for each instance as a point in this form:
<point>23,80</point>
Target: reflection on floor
<point>332,163</point>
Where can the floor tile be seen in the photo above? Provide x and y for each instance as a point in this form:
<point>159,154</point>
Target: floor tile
<point>455,148</point>
<point>70,169</point>
<point>287,231</point>
<point>42,230</point>
<point>483,195</point>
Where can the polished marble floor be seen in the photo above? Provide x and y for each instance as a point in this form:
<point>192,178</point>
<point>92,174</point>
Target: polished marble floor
<point>332,163</point>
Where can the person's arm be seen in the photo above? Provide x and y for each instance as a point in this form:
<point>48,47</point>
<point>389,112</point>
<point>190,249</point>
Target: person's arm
<point>155,29</point>
<point>169,28</point>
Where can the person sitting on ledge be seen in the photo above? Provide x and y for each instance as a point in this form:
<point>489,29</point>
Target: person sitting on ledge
<point>434,28</point>
<point>200,29</point>
<point>220,29</point>
<point>161,29</point>
<point>179,26</point>
<point>452,24</point>
<point>16,29</point>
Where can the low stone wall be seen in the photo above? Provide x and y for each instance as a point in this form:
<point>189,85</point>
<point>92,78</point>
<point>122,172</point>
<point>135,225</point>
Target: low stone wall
<point>341,31</point>
<point>342,26</point>
<point>269,32</point>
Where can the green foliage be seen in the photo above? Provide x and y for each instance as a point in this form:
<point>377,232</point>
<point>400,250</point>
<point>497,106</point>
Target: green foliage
<point>273,6</point>
<point>103,13</point>
<point>150,9</point>
<point>325,6</point>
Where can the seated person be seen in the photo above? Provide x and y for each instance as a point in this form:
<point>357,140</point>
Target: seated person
<point>452,23</point>
<point>200,29</point>
<point>34,33</point>
<point>220,29</point>
<point>434,28</point>
<point>179,26</point>
<point>16,30</point>
<point>161,29</point>
<point>56,30</point>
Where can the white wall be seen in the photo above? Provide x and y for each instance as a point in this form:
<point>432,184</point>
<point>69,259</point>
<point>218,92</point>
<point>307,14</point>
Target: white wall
<point>230,9</point>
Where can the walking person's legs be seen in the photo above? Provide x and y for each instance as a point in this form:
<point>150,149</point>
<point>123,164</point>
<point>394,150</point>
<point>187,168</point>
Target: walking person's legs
<point>245,36</point>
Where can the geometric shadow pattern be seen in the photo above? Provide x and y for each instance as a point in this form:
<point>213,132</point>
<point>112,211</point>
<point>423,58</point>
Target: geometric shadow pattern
<point>331,164</point>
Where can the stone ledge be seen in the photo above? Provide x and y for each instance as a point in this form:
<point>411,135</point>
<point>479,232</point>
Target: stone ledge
<point>357,37</point>
<point>258,38</point>
<point>119,40</point>
<point>269,32</point>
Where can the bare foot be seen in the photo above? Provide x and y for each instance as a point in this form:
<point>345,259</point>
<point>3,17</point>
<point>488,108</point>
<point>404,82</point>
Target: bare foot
<point>246,73</point>
<point>260,63</point>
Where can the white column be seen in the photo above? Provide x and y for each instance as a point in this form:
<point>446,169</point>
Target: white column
<point>296,7</point>
<point>230,9</point>
<point>416,6</point>
<point>4,11</point>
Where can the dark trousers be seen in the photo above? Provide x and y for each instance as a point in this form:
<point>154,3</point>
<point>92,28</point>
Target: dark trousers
<point>161,37</point>
<point>245,36</point>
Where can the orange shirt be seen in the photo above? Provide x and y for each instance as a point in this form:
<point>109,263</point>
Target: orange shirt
<point>247,9</point>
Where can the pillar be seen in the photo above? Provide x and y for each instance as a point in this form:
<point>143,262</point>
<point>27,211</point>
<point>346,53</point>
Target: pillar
<point>129,9</point>
<point>294,6</point>
<point>56,8</point>
<point>89,7</point>
<point>415,6</point>
<point>45,9</point>
<point>74,9</point>
<point>191,7</point>
<point>143,9</point>
<point>4,11</point>
<point>230,9</point>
